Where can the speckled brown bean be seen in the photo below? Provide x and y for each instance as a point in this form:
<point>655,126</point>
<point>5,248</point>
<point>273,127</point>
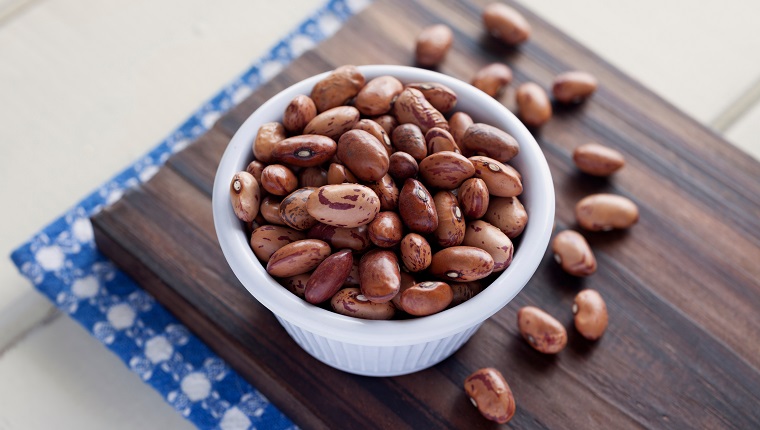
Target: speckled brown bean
<point>604,212</point>
<point>485,236</point>
<point>296,284</point>
<point>270,210</point>
<point>483,139</point>
<point>590,314</point>
<point>364,155</point>
<point>337,88</point>
<point>464,291</point>
<point>278,180</point>
<point>407,281</point>
<point>255,168</point>
<point>473,198</point>
<point>386,230</point>
<point>297,257</point>
<point>426,298</point>
<point>440,96</point>
<point>344,205</point>
<point>409,138</point>
<point>597,160</point>
<point>542,331</point>
<point>415,252</point>
<point>433,43</point>
<point>412,107</point>
<point>508,214</point>
<point>245,196</point>
<point>356,238</point>
<point>402,166</point>
<point>328,277</point>
<point>312,177</point>
<point>573,253</point>
<point>387,192</point>
<point>379,276</point>
<point>450,231</point>
<point>490,393</point>
<point>387,122</point>
<point>299,112</point>
<point>461,264</point>
<point>293,209</point>
<point>506,24</point>
<point>533,105</point>
<point>376,130</point>
<point>492,79</point>
<point>339,174</point>
<point>267,138</point>
<point>416,207</point>
<point>333,122</point>
<point>502,180</point>
<point>446,170</point>
<point>458,124</point>
<point>376,97</point>
<point>438,140</point>
<point>573,87</point>
<point>351,302</point>
<point>267,239</point>
<point>305,150</point>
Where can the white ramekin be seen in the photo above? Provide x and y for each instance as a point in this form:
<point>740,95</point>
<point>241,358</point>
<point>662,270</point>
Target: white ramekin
<point>387,348</point>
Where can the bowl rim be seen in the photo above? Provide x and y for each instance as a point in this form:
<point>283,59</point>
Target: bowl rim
<point>357,331</point>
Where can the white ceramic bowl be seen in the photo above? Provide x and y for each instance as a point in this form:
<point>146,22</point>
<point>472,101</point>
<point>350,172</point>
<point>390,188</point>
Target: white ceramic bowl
<point>387,348</point>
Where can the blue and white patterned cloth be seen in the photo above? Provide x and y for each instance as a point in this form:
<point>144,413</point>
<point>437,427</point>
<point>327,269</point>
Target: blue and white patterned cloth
<point>63,263</point>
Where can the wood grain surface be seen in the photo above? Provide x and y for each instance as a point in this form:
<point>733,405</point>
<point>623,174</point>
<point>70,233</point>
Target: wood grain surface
<point>682,286</point>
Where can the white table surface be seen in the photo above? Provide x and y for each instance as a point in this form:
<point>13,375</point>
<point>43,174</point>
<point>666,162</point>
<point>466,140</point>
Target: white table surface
<point>87,86</point>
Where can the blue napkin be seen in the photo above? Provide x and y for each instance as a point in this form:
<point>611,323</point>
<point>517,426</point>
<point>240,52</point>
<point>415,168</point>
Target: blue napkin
<point>63,263</point>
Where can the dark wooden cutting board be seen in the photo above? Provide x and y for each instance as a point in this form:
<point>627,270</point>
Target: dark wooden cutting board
<point>683,346</point>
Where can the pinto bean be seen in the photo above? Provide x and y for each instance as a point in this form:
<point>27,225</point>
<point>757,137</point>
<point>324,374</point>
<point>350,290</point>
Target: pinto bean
<point>387,192</point>
<point>299,112</point>
<point>267,239</point>
<point>440,96</point>
<point>439,140</point>
<point>364,155</point>
<point>464,291</point>
<point>270,210</point>
<point>450,231</point>
<point>402,166</point>
<point>433,44</point>
<point>296,284</point>
<point>483,235</point>
<point>590,314</point>
<point>492,78</point>
<point>351,302</point>
<point>278,180</point>
<point>542,331</point>
<point>337,88</point>
<point>533,105</point>
<point>387,122</point>
<point>426,298</point>
<point>446,170</point>
<point>598,160</point>
<point>305,150</point>
<point>269,135</point>
<point>312,177</point>
<point>376,130</point>
<point>245,196</point>
<point>386,230</point>
<point>415,252</point>
<point>344,205</point>
<point>483,139</point>
<point>502,180</point>
<point>490,393</point>
<point>333,122</point>
<point>328,277</point>
<point>506,24</point>
<point>379,276</point>
<point>416,207</point>
<point>508,214</point>
<point>297,257</point>
<point>604,212</point>
<point>339,174</point>
<point>412,107</point>
<point>376,97</point>
<point>573,253</point>
<point>293,209</point>
<point>409,138</point>
<point>461,264</point>
<point>473,198</point>
<point>356,238</point>
<point>573,87</point>
<point>458,124</point>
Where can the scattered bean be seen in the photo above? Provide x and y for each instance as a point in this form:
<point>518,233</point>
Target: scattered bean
<point>598,160</point>
<point>573,87</point>
<point>533,105</point>
<point>573,253</point>
<point>542,331</point>
<point>604,212</point>
<point>506,24</point>
<point>490,393</point>
<point>590,314</point>
<point>433,44</point>
<point>492,79</point>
